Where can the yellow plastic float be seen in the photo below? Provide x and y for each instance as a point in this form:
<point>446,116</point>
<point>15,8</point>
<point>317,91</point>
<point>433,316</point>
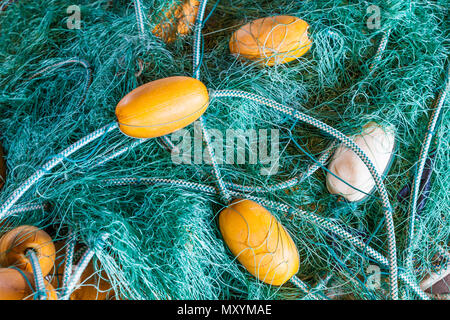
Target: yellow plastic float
<point>260,243</point>
<point>272,40</point>
<point>15,243</point>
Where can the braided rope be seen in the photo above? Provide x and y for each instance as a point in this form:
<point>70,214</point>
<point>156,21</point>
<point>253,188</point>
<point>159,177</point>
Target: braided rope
<point>40,293</point>
<point>309,217</point>
<point>196,72</point>
<point>5,4</point>
<point>387,209</point>
<point>223,189</point>
<point>78,254</point>
<point>27,207</point>
<point>68,266</point>
<point>15,196</point>
<point>82,62</point>
<point>197,38</point>
<point>288,183</point>
<point>82,264</point>
<point>119,152</point>
<point>381,47</point>
<point>182,183</point>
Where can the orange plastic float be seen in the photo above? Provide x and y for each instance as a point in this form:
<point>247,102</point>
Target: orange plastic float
<point>178,20</point>
<point>95,285</point>
<point>161,107</point>
<point>15,243</point>
<point>272,40</point>
<point>16,285</point>
<point>260,243</point>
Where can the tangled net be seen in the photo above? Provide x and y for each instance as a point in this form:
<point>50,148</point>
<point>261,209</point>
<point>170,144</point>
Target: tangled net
<point>150,224</point>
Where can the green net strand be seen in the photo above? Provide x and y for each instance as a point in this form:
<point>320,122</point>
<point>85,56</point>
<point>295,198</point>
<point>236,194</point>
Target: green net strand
<point>5,4</point>
<point>139,18</point>
<point>119,152</point>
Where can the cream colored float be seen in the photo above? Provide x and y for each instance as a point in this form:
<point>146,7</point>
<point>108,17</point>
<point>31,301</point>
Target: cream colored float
<point>378,144</point>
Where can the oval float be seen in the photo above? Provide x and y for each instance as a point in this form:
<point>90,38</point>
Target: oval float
<point>16,285</point>
<point>15,243</point>
<point>272,40</point>
<point>178,20</point>
<point>378,143</point>
<point>161,107</point>
<point>260,243</point>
